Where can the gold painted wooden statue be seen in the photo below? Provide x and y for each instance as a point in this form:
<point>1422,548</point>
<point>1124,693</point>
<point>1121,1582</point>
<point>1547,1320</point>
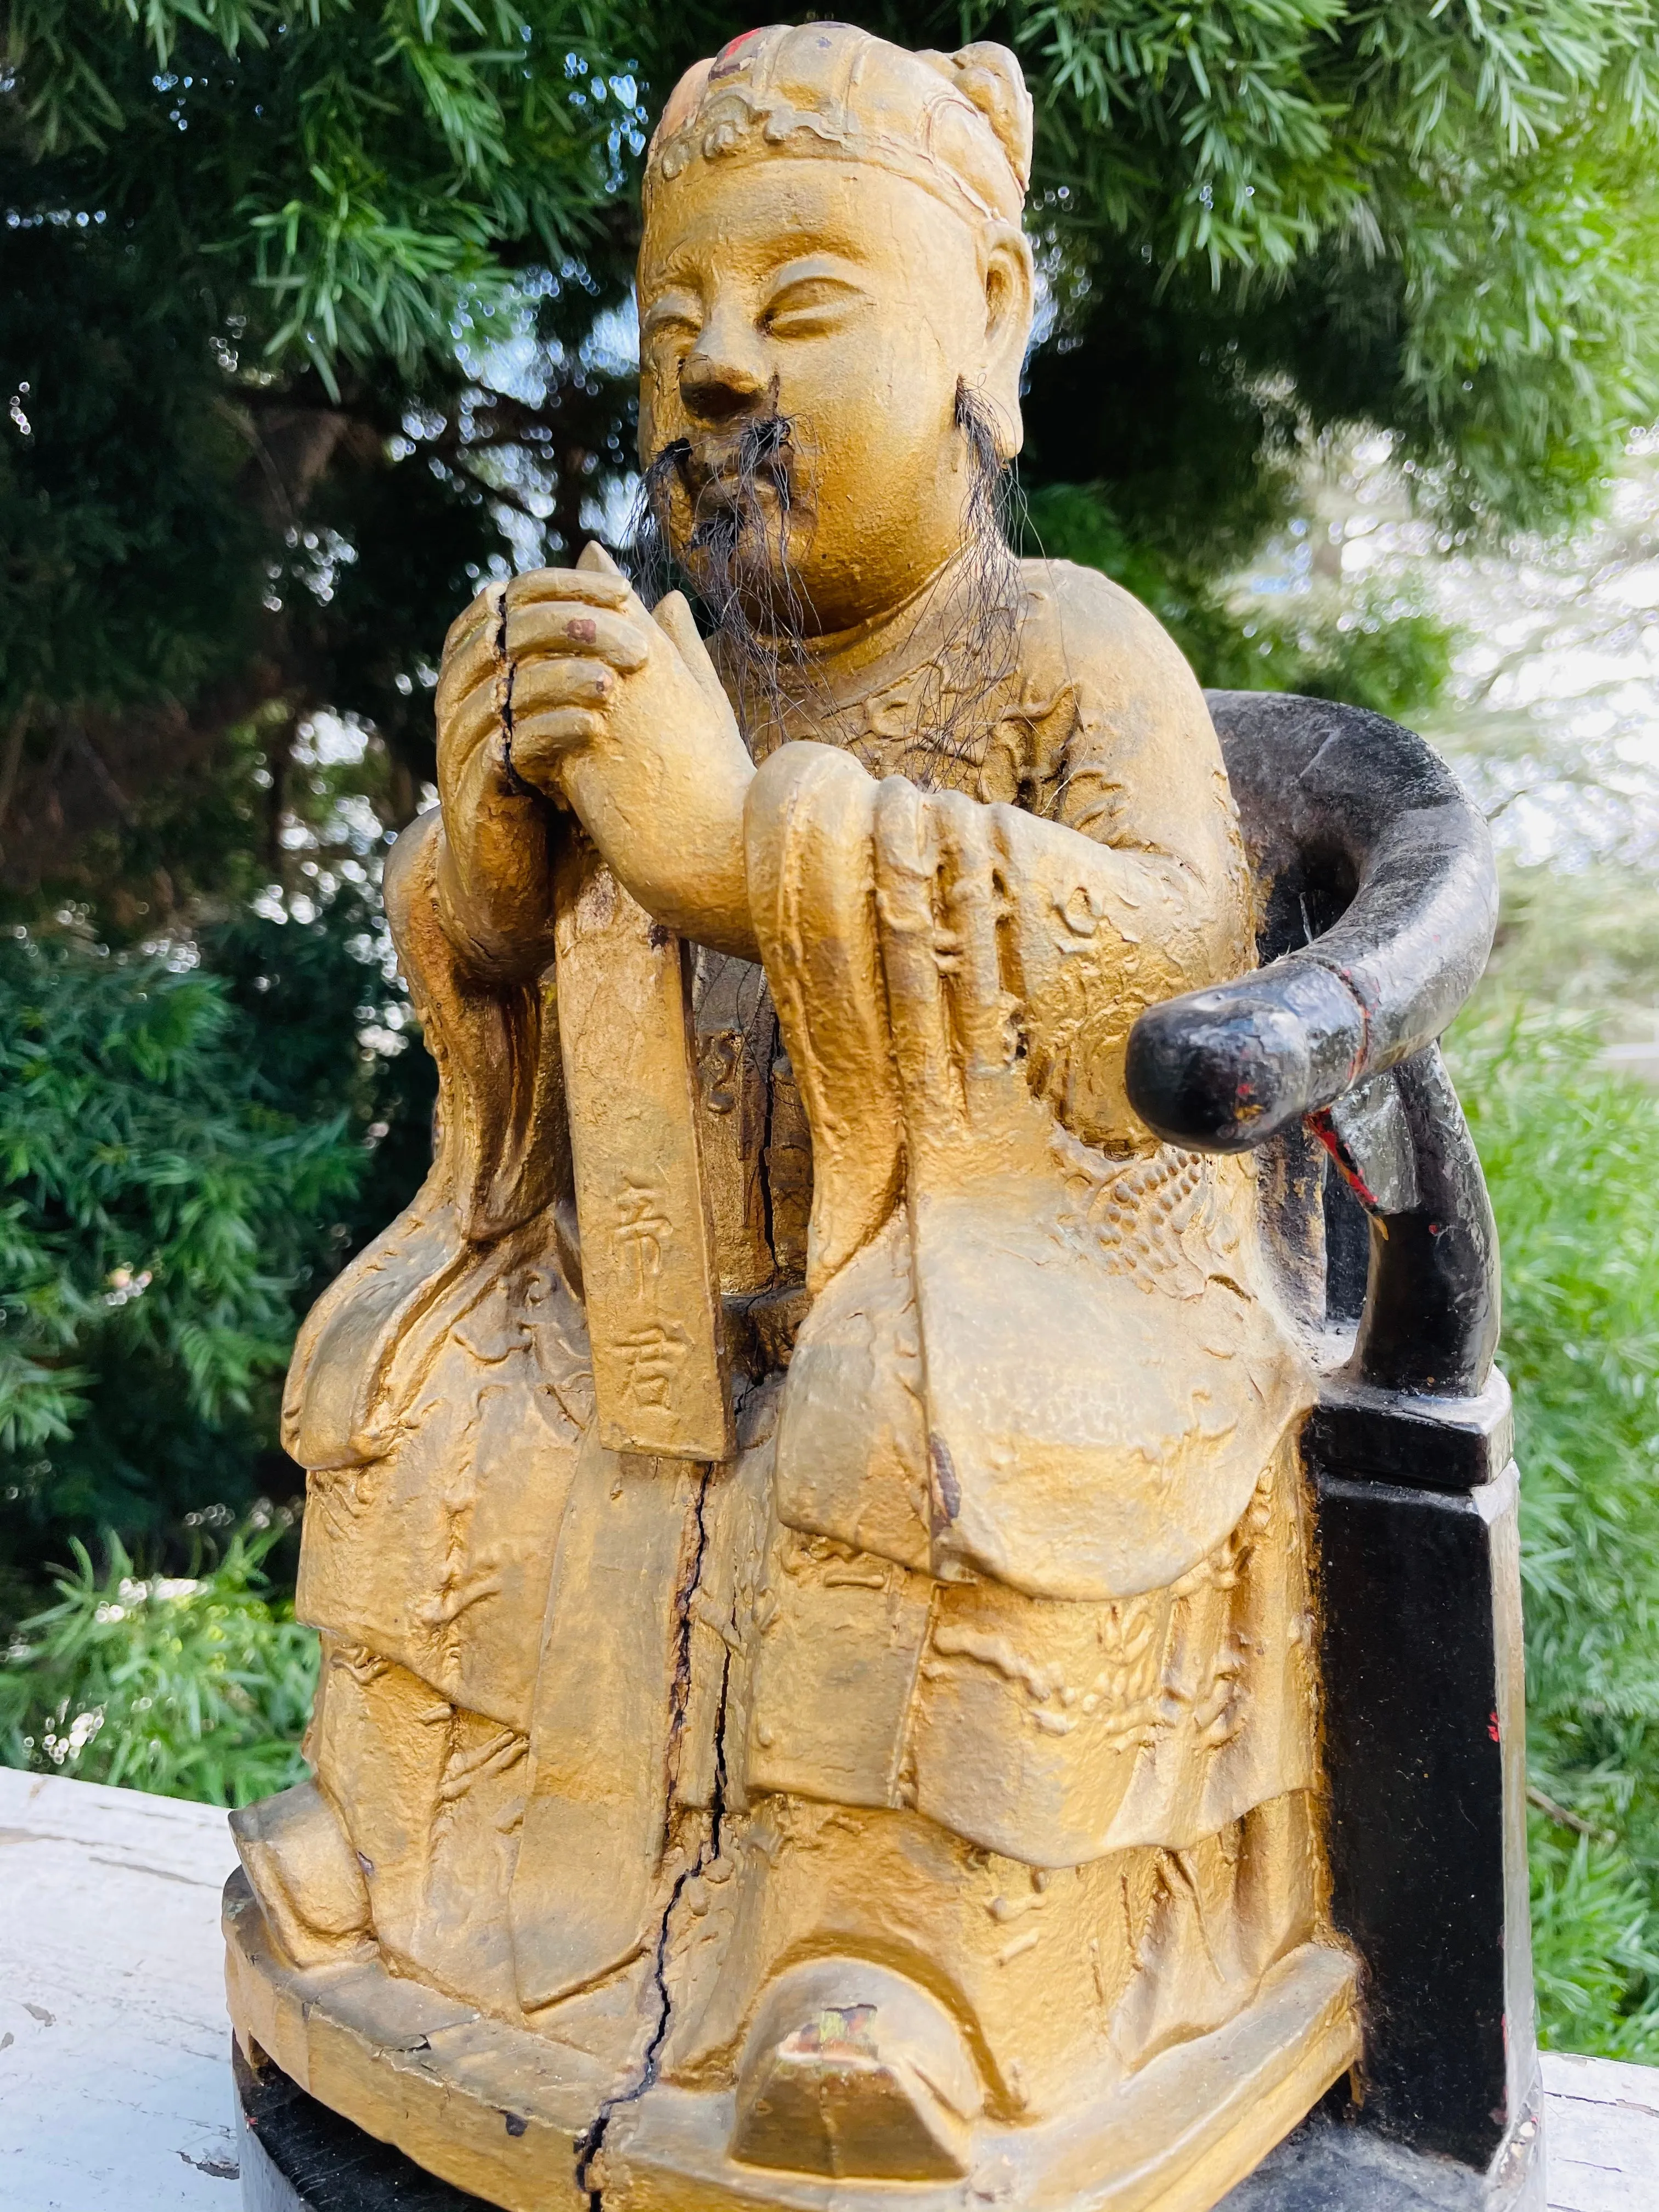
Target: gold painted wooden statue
<point>819,1701</point>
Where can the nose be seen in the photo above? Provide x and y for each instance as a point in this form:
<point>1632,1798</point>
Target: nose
<point>719,377</point>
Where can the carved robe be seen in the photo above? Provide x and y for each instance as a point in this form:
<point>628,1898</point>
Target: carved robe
<point>1000,1608</point>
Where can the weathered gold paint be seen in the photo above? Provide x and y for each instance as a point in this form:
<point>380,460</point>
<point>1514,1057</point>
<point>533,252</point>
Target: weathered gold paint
<point>819,1703</point>
<point>649,1279</point>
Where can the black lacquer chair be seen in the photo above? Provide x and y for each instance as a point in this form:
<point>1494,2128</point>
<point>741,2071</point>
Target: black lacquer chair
<point>1378,899</point>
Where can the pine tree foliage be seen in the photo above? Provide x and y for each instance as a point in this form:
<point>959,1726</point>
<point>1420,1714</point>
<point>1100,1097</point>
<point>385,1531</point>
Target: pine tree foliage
<point>192,1685</point>
<point>185,1157</point>
<point>1435,219</point>
<point>343,174</point>
<point>242,476</point>
<point>310,316</point>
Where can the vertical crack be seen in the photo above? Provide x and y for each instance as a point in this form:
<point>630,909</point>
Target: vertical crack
<point>679,1698</point>
<point>515,781</point>
<point>717,1800</point>
<point>590,2145</point>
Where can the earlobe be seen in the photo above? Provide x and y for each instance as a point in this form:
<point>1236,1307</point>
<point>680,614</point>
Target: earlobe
<point>1010,303</point>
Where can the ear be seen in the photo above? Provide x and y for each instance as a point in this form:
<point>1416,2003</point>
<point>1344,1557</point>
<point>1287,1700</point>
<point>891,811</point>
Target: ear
<point>1009,303</point>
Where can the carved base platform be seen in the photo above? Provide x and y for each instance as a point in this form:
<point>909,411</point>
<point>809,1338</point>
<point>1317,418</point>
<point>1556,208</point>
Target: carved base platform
<point>503,2113</point>
<point>298,2156</point>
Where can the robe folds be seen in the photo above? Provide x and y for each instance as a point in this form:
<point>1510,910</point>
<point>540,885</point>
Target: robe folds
<point>1013,1542</point>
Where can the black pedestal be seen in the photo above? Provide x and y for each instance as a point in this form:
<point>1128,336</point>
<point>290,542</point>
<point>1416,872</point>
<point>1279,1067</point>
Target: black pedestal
<point>297,2156</point>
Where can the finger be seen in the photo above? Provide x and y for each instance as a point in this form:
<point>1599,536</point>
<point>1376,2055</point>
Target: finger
<point>906,868</point>
<point>675,620</point>
<point>464,724</point>
<point>590,585</point>
<point>546,686</point>
<point>474,661</point>
<point>481,802</point>
<point>982,1014</point>
<point>470,704</point>
<point>471,683</point>
<point>594,561</point>
<point>556,626</point>
<point>542,743</point>
<point>484,614</point>
<point>497,837</point>
<point>480,787</point>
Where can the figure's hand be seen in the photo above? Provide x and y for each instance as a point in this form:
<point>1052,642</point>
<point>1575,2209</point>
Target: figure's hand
<point>621,713</point>
<point>958,1026</point>
<point>494,873</point>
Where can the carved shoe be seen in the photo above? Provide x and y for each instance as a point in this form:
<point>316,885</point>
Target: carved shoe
<point>854,2071</point>
<point>305,1875</point>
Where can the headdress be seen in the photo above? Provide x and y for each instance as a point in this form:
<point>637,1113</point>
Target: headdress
<point>958,124</point>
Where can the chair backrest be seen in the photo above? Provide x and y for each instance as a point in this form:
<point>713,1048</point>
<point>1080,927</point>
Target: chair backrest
<point>1378,899</point>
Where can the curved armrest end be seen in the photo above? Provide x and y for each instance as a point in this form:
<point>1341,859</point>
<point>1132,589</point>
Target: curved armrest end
<point>1223,1070</point>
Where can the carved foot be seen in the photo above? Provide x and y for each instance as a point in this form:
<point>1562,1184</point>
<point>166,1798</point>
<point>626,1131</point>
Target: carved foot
<point>853,2071</point>
<point>305,1875</point>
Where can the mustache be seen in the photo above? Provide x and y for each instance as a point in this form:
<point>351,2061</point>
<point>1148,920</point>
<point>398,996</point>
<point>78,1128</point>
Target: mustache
<point>728,518</point>
<point>718,487</point>
<point>762,446</point>
<point>721,518</point>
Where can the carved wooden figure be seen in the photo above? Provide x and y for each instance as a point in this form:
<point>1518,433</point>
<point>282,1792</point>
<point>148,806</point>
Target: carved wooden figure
<point>820,1692</point>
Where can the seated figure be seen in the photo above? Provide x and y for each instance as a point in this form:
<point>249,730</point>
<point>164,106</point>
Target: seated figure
<point>819,1687</point>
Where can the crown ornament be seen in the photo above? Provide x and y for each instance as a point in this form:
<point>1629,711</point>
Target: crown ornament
<point>958,124</point>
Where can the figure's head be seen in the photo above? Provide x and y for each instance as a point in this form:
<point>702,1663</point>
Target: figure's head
<point>835,300</point>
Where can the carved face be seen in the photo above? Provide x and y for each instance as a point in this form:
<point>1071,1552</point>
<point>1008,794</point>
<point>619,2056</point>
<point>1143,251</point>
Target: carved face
<point>852,303</point>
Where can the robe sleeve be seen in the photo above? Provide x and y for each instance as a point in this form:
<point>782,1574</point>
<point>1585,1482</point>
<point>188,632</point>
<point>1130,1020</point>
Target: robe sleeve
<point>501,1157</point>
<point>503,1146</point>
<point>1127,884</point>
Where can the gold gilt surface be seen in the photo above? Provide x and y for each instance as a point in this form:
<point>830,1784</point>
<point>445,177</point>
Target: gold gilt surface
<point>819,1703</point>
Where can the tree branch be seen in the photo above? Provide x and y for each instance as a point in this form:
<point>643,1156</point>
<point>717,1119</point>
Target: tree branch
<point>12,759</point>
<point>1563,1818</point>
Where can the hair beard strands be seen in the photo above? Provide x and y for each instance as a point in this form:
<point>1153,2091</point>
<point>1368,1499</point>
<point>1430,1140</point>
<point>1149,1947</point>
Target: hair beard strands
<point>975,604</point>
<point>739,568</point>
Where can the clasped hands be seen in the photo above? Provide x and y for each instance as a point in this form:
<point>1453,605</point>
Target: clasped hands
<point>560,687</point>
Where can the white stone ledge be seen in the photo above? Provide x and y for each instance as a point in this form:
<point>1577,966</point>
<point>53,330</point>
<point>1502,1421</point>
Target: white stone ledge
<point>1601,2134</point>
<point>114,2080</point>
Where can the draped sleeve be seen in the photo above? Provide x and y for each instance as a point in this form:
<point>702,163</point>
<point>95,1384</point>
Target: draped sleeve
<point>1131,886</point>
<point>501,1157</point>
<point>1043,1347</point>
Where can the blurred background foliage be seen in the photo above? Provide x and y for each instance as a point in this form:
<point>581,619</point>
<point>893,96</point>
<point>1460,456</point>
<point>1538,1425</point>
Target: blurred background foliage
<point>313,314</point>
<point>194,1686</point>
<point>187,1153</point>
<point>1569,1151</point>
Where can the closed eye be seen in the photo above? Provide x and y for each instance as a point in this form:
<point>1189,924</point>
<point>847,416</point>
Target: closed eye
<point>811,305</point>
<point>674,317</point>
